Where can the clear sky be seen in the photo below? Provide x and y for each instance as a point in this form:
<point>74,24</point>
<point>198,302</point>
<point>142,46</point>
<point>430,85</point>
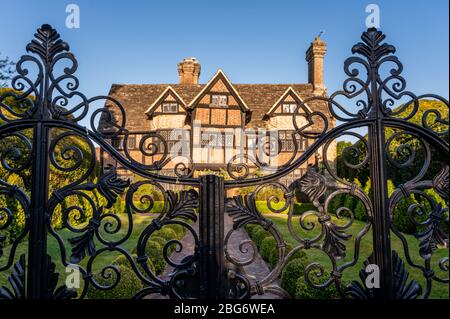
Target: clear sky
<point>252,41</point>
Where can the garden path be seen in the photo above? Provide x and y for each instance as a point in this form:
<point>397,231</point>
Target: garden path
<point>257,269</point>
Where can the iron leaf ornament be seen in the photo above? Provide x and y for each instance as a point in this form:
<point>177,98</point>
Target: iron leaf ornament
<point>312,184</point>
<point>244,211</point>
<point>183,204</point>
<point>16,281</point>
<point>440,183</point>
<point>403,289</point>
<point>47,43</point>
<point>432,235</point>
<point>111,186</point>
<point>372,47</point>
<point>53,291</point>
<point>84,244</point>
<point>334,238</point>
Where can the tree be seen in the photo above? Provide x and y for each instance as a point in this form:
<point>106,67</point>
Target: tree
<point>6,70</point>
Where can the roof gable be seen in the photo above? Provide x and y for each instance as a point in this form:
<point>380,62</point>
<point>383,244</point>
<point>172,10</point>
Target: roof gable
<point>290,92</point>
<point>219,82</point>
<point>169,91</point>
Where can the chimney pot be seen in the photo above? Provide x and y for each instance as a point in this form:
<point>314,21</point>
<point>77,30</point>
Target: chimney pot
<point>189,71</point>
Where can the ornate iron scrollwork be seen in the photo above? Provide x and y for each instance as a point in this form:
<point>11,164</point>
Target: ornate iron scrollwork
<point>47,106</point>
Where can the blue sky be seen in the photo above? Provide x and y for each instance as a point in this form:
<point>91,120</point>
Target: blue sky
<point>252,41</point>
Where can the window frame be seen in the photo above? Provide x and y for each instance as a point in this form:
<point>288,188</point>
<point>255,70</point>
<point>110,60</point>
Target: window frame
<point>290,105</point>
<point>220,96</point>
<point>169,104</point>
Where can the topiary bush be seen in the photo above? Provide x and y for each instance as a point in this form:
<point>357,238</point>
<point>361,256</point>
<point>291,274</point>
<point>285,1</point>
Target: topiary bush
<point>123,261</point>
<point>400,216</point>
<point>126,288</point>
<point>273,258</point>
<point>154,252</point>
<point>290,275</point>
<point>168,234</point>
<point>306,291</point>
<point>259,236</point>
<point>249,228</point>
<point>163,242</point>
<point>300,254</point>
<point>254,230</point>
<point>179,230</point>
<point>267,245</point>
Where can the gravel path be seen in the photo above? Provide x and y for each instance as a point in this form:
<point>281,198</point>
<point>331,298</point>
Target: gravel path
<point>256,271</point>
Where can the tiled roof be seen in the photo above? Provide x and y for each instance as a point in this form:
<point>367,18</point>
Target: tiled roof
<point>136,98</point>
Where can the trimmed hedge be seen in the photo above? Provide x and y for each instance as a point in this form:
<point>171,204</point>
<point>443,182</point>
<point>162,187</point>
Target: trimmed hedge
<point>126,288</point>
<point>154,252</point>
<point>267,245</point>
<point>305,291</point>
<point>123,261</point>
<point>259,236</point>
<point>273,258</point>
<point>298,254</point>
<point>168,233</point>
<point>290,275</point>
<point>179,230</point>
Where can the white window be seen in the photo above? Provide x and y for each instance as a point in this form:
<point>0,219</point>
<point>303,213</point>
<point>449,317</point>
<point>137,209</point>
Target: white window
<point>289,107</point>
<point>219,100</point>
<point>170,107</point>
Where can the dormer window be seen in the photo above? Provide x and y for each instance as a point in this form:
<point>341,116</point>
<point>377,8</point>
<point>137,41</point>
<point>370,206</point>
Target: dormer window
<point>219,100</point>
<point>170,107</point>
<point>289,107</point>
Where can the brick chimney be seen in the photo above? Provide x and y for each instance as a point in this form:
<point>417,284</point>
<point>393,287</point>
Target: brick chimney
<point>189,71</point>
<point>314,57</point>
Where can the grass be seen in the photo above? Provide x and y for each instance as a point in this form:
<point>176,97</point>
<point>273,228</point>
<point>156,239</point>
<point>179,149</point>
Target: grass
<point>299,208</point>
<point>103,259</point>
<point>439,290</point>
<point>141,221</point>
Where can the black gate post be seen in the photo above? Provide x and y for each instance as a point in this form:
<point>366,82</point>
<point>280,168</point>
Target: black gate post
<point>37,282</point>
<point>211,234</point>
<point>37,259</point>
<point>382,254</point>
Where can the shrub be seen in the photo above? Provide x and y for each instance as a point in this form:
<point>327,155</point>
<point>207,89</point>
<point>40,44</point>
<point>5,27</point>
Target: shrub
<point>360,210</point>
<point>306,291</point>
<point>154,252</point>
<point>126,288</point>
<point>291,273</point>
<point>300,208</point>
<point>159,240</point>
<point>259,236</point>
<point>300,254</point>
<point>400,217</point>
<point>254,230</point>
<point>249,228</point>
<point>123,261</point>
<point>179,230</point>
<point>267,245</point>
<point>168,234</point>
<point>273,258</point>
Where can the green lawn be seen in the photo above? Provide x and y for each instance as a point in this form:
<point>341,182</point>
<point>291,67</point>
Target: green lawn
<point>139,223</point>
<point>439,290</point>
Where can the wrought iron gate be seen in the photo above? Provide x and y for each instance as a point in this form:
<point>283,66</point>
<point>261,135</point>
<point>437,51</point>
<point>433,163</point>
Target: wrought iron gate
<point>49,161</point>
